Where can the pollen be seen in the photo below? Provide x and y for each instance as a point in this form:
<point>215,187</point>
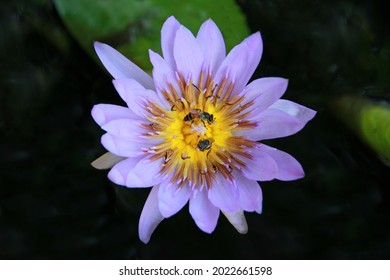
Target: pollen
<point>198,132</point>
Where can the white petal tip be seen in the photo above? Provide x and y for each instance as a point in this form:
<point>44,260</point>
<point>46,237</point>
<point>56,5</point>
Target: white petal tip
<point>106,161</point>
<point>238,220</point>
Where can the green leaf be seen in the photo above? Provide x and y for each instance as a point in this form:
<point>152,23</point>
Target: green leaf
<point>133,26</point>
<point>369,119</point>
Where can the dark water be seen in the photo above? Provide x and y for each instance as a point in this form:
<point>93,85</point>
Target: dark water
<point>53,205</point>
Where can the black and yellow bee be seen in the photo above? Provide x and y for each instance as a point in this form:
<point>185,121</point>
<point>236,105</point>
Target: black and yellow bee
<point>204,144</point>
<point>197,113</point>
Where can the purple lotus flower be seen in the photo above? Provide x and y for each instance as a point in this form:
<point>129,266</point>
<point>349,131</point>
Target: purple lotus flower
<point>191,131</point>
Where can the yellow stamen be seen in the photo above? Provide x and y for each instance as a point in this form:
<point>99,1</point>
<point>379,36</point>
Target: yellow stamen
<point>198,132</point>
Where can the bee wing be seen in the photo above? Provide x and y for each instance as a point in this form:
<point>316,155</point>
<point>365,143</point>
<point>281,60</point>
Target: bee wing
<point>106,161</point>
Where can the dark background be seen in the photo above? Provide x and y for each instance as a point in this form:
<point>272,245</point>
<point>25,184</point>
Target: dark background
<point>54,205</point>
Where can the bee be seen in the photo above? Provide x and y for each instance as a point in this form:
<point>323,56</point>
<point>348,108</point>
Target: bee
<point>197,113</point>
<point>193,114</point>
<point>207,117</point>
<point>204,145</point>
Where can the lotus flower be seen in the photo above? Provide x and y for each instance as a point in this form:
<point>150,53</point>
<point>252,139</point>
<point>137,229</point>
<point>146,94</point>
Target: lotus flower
<point>192,130</point>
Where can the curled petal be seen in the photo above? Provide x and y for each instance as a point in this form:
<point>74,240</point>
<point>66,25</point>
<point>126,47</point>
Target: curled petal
<point>138,178</point>
<point>301,113</point>
<point>172,199</point>
<point>237,219</point>
<point>212,45</point>
<point>104,113</point>
<point>118,174</point>
<point>224,195</point>
<point>204,213</point>
<point>188,55</point>
<point>168,33</point>
<point>289,168</point>
<point>150,216</point>
<point>120,67</point>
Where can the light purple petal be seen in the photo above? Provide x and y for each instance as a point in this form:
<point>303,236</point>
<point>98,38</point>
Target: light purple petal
<point>119,172</point>
<point>126,129</point>
<point>188,55</point>
<point>124,148</point>
<point>131,130</point>
<point>104,113</point>
<point>241,62</point>
<point>168,33</point>
<point>276,123</point>
<point>289,168</point>
<point>172,199</point>
<point>211,42</point>
<point>145,174</point>
<point>204,213</point>
<point>135,96</point>
<point>261,167</point>
<point>273,123</point>
<point>251,197</point>
<point>120,67</point>
<point>163,74</point>
<point>264,92</point>
<point>150,216</point>
<point>237,219</point>
<point>224,195</point>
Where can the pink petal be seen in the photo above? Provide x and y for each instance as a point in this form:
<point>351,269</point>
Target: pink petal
<point>237,219</point>
<point>145,174</point>
<point>188,55</point>
<point>289,168</point>
<point>163,74</point>
<point>172,199</point>
<point>150,216</point>
<point>251,197</point>
<point>119,172</point>
<point>120,67</point>
<point>264,92</point>
<point>135,95</point>
<point>224,195</point>
<point>168,33</point>
<point>104,113</point>
<point>204,213</point>
<point>241,62</point>
<point>212,45</point>
<point>124,148</point>
<point>261,167</point>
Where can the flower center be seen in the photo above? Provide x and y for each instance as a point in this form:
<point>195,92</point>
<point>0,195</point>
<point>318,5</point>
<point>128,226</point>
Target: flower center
<point>198,133</point>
